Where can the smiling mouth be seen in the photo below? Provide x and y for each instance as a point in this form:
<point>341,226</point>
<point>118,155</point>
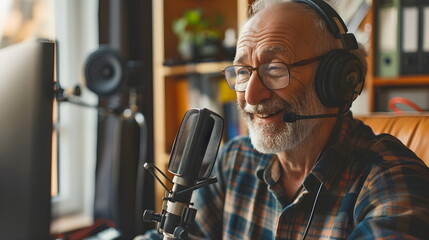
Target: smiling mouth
<point>267,115</point>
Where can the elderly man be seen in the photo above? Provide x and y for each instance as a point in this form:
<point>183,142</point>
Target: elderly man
<point>324,177</point>
<point>314,178</point>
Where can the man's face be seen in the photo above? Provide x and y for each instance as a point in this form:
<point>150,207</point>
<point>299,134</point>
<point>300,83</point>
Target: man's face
<point>283,33</point>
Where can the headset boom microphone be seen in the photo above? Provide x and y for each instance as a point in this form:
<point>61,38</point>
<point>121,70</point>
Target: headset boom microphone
<point>291,117</point>
<point>191,161</point>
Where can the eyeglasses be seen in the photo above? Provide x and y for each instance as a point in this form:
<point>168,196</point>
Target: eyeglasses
<point>273,75</point>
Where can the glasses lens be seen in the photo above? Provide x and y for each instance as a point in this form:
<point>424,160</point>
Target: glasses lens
<point>237,77</point>
<point>274,75</point>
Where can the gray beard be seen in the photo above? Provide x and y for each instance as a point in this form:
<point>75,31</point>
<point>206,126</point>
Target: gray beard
<point>274,138</point>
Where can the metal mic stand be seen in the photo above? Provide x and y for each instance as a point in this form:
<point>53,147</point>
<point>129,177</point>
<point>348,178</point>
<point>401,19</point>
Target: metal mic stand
<point>191,161</point>
<point>187,216</point>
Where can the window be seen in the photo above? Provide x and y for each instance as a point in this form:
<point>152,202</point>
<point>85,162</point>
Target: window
<point>73,24</point>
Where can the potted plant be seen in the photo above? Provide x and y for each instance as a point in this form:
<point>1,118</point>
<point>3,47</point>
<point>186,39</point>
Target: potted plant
<point>197,39</point>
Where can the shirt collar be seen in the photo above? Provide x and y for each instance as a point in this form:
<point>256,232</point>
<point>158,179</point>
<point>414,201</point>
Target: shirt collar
<point>263,169</point>
<point>333,159</point>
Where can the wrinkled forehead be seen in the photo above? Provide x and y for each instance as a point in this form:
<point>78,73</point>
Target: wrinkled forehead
<point>288,27</point>
<point>286,15</point>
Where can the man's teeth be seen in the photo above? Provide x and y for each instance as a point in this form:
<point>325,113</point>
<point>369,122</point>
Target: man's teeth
<point>265,115</point>
<point>262,115</point>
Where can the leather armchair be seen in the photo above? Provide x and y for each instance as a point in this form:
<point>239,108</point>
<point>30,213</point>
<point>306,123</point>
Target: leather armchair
<point>411,129</point>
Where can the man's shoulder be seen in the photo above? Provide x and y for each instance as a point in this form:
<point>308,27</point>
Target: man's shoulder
<point>391,152</point>
<point>367,151</point>
<point>384,151</point>
<point>386,146</point>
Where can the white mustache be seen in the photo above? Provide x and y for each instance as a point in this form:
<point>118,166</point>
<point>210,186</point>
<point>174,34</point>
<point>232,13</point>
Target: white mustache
<point>272,106</point>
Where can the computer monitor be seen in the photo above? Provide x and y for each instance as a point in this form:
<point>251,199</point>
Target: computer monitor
<point>26,102</point>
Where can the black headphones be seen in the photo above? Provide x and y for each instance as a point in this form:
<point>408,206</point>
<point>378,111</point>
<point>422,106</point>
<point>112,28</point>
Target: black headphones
<point>339,78</point>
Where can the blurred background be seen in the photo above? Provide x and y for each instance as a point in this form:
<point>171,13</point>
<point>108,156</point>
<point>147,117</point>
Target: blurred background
<point>168,55</point>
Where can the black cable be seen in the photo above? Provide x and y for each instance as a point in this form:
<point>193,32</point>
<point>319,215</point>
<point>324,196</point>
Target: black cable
<point>312,211</point>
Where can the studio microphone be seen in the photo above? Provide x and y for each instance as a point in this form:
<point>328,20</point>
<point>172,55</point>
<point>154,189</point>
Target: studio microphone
<point>191,161</point>
<point>291,117</point>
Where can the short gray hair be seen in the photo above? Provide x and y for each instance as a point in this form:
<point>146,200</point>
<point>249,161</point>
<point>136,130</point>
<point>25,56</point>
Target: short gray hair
<point>259,5</point>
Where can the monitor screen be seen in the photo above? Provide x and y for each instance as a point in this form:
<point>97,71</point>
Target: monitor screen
<point>26,100</point>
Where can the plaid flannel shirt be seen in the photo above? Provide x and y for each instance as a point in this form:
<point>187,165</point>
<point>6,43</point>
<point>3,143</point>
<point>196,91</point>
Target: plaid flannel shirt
<point>373,188</point>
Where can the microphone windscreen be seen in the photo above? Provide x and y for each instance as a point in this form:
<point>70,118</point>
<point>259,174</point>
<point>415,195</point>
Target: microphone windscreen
<point>196,144</point>
<point>289,117</point>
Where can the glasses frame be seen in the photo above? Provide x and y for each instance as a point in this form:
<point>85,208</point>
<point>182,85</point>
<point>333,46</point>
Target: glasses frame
<point>289,66</point>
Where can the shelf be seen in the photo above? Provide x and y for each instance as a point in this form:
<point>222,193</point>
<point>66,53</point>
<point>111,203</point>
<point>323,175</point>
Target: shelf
<point>201,68</point>
<point>403,81</point>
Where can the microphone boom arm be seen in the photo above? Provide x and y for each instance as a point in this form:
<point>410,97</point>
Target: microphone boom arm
<point>291,117</point>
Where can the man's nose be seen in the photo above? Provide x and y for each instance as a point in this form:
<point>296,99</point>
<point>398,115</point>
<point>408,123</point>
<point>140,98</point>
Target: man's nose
<point>256,91</point>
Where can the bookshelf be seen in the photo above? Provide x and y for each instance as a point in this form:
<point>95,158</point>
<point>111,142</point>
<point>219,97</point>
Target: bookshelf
<point>199,68</point>
<point>408,81</point>
<point>167,110</point>
<point>379,85</point>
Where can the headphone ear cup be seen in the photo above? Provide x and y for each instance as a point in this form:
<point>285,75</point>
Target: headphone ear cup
<point>104,71</point>
<point>339,78</point>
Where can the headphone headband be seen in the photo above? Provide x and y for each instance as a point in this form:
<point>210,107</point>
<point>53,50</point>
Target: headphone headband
<point>339,77</point>
<point>334,22</point>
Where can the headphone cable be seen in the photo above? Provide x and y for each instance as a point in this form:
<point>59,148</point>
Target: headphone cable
<point>312,211</point>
